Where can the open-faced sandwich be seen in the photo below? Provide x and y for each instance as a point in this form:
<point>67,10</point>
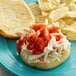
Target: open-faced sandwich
<point>43,46</point>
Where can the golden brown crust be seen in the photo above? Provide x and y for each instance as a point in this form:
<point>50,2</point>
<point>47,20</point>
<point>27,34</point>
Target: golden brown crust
<point>51,65</point>
<point>8,35</point>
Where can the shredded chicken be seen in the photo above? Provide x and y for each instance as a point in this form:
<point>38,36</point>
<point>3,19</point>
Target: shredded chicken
<point>53,49</point>
<point>26,32</point>
<point>53,46</point>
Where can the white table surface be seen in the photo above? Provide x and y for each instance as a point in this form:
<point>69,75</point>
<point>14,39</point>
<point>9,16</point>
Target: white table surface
<point>3,72</point>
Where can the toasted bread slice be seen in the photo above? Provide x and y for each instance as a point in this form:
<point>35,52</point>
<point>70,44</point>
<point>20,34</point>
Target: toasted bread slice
<point>15,16</point>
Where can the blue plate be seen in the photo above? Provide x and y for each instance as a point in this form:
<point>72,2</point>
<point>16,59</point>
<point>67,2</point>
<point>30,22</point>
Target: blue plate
<point>14,64</point>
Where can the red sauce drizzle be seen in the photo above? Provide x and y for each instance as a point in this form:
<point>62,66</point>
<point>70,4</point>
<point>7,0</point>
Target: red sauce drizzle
<point>38,43</point>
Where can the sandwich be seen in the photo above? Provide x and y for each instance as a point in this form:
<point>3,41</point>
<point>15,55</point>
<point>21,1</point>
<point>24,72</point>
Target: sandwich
<point>43,46</point>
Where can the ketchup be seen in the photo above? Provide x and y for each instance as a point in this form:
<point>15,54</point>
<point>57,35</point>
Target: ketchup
<point>19,44</point>
<point>36,44</point>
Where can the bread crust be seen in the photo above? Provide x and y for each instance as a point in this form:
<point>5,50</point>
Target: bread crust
<point>8,35</point>
<point>51,65</point>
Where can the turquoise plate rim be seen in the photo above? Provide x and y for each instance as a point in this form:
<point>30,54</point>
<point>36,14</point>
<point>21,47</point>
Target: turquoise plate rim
<point>6,66</point>
<point>8,69</point>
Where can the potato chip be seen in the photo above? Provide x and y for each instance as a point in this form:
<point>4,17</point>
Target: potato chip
<point>45,13</point>
<point>74,23</point>
<point>62,5</point>
<point>48,5</point>
<point>72,14</point>
<point>66,1</point>
<point>70,31</point>
<point>35,9</point>
<point>58,13</point>
<point>68,20</point>
<point>40,19</point>
<point>55,2</point>
<point>45,5</point>
<point>72,6</point>
<point>37,13</point>
<point>62,23</point>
